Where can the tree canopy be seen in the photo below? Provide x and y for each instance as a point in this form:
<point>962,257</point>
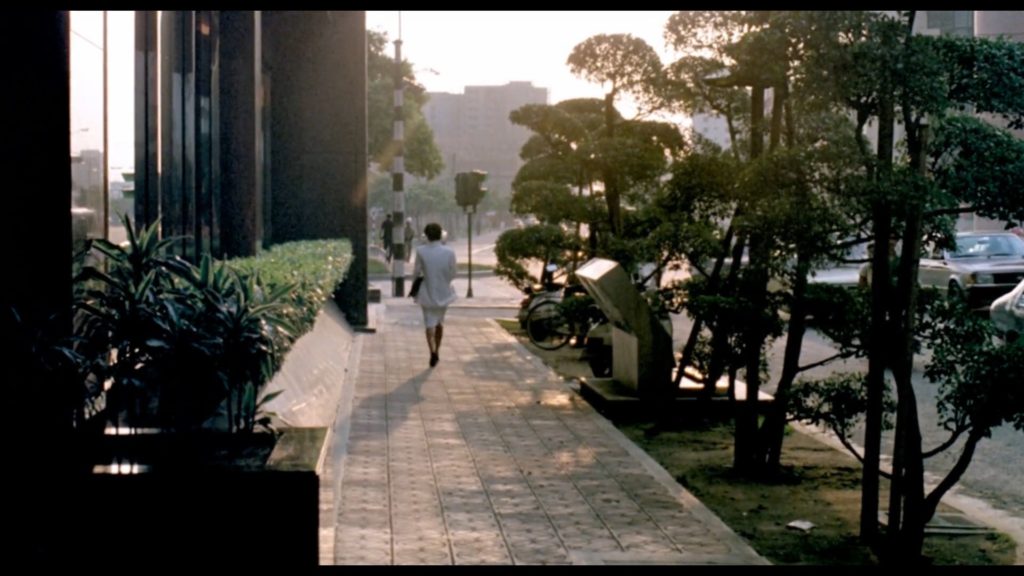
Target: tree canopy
<point>421,155</point>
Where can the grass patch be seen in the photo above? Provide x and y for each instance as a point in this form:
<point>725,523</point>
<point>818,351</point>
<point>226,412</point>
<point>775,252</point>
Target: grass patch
<point>817,483</point>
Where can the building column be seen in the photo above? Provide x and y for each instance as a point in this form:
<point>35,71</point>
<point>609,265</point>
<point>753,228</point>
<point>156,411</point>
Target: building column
<point>318,134</point>
<point>147,162</point>
<point>241,125</point>
<point>37,283</point>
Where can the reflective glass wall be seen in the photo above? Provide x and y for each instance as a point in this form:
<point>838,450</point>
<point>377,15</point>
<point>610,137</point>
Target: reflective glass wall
<point>102,104</point>
<point>176,127</point>
<point>88,126</point>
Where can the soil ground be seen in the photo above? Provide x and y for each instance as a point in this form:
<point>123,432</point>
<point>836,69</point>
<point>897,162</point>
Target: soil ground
<point>817,483</point>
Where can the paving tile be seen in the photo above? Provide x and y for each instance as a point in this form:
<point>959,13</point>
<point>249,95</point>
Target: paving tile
<point>490,459</point>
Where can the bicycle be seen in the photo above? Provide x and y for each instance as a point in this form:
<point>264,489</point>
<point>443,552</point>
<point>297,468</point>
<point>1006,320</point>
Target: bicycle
<point>552,324</point>
<point>547,290</point>
<point>547,327</point>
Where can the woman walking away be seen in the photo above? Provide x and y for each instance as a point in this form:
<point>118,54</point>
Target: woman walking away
<point>435,262</point>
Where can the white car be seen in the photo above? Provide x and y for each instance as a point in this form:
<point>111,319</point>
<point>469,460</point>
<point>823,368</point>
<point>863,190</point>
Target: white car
<point>1007,313</point>
<point>984,266</point>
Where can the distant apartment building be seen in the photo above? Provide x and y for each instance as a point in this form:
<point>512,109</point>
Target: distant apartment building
<point>87,197</point>
<point>86,174</point>
<point>981,24</point>
<point>712,127</point>
<point>473,131</point>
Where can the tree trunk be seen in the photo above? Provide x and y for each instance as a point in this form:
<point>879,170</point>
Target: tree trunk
<point>779,97</point>
<point>878,348</point>
<point>611,179</point>
<point>906,497</point>
<point>721,350</point>
<point>698,321</point>
<point>745,451</point>
<point>905,538</point>
<point>774,427</point>
<point>745,455</point>
<point>756,121</point>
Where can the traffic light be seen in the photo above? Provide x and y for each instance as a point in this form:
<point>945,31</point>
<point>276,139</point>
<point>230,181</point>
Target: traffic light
<point>468,189</point>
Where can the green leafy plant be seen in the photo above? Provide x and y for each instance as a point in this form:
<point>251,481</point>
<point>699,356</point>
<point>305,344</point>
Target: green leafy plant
<point>125,315</point>
<point>183,347</point>
<point>238,329</point>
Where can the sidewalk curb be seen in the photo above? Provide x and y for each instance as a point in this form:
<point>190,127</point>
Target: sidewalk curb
<point>459,274</point>
<point>738,546</point>
<point>974,508</point>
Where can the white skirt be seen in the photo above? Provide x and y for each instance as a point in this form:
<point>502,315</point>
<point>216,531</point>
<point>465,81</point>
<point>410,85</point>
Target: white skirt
<point>433,315</point>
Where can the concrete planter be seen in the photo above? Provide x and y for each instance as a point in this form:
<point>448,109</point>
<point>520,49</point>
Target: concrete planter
<point>204,498</point>
<point>200,499</point>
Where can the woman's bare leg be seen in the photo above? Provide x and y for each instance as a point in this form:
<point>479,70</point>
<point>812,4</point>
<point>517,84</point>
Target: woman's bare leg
<point>431,338</point>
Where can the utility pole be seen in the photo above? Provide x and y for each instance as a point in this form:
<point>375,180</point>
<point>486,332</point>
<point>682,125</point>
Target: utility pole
<point>398,176</point>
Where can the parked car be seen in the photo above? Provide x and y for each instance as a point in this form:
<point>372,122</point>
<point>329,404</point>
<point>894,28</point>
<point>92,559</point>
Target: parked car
<point>1007,313</point>
<point>984,266</point>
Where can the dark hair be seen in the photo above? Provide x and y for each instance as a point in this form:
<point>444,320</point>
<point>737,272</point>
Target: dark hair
<point>433,231</point>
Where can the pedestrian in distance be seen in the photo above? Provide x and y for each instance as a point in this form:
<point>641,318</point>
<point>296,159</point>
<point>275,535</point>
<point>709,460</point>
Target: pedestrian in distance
<point>435,263</point>
<point>386,228</point>
<point>410,235</point>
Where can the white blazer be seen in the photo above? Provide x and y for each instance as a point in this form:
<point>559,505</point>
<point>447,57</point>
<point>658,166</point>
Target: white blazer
<point>436,263</point>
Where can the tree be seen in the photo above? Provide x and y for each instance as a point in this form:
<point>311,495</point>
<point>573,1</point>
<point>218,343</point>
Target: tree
<point>421,156</point>
<point>541,244</point>
<point>888,72</point>
<point>923,101</point>
<point>702,37</point>
<point>567,159</point>
<point>559,159</point>
<point>626,65</point>
<point>872,67</point>
<point>422,199</point>
<point>863,73</point>
<point>727,55</point>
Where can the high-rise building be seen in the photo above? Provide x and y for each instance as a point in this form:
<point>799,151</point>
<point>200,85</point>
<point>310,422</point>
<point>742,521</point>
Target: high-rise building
<point>712,127</point>
<point>473,130</point>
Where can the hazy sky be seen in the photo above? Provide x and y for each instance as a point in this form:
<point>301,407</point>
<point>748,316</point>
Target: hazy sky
<point>460,47</point>
<point>496,47</point>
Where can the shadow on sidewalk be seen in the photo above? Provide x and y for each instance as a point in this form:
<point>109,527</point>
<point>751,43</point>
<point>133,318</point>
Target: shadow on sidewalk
<point>396,403</point>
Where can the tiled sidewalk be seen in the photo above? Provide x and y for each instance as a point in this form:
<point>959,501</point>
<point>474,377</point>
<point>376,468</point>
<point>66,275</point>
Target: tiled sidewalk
<point>490,458</point>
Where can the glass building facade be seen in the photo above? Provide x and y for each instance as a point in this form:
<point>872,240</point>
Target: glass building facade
<point>207,121</point>
<point>202,123</point>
